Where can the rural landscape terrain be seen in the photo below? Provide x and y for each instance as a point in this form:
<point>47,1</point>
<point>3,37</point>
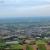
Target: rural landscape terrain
<point>24,24</point>
<point>29,33</point>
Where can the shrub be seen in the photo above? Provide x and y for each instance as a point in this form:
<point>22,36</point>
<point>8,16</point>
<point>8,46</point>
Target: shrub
<point>29,47</point>
<point>41,47</point>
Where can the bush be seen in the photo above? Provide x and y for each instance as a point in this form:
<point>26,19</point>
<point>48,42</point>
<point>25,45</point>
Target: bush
<point>16,47</point>
<point>29,47</point>
<point>41,47</point>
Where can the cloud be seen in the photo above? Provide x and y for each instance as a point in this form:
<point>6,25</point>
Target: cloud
<point>24,8</point>
<point>33,8</point>
<point>7,8</point>
<point>42,10</point>
<point>21,3</point>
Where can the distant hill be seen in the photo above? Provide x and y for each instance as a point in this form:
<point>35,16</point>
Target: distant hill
<point>25,19</point>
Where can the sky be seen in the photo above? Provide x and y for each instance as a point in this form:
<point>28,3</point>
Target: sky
<point>24,8</point>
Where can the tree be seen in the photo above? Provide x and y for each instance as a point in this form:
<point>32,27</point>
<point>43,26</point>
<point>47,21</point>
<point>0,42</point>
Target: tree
<point>2,43</point>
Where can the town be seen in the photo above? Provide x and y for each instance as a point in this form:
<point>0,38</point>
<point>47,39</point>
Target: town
<point>24,36</point>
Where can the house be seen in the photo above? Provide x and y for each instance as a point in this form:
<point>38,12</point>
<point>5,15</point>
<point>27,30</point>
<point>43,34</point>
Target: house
<point>12,42</point>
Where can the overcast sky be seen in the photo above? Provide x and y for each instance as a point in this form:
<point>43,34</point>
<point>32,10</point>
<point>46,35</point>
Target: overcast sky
<point>24,8</point>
